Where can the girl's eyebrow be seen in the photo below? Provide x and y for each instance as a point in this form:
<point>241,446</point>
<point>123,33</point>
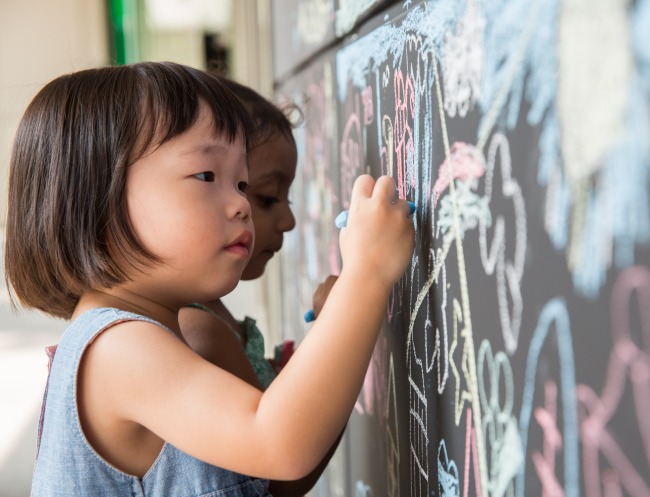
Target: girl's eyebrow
<point>270,175</point>
<point>206,148</point>
<point>273,175</point>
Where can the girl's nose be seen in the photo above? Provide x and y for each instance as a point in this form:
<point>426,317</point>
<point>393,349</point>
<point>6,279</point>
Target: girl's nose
<point>287,220</point>
<point>241,206</point>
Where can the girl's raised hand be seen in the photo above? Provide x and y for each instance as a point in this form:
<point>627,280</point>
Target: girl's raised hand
<point>379,238</point>
<point>321,293</point>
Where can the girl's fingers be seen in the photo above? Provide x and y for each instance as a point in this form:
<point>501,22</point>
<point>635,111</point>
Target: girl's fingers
<point>403,205</point>
<point>384,189</point>
<point>363,187</point>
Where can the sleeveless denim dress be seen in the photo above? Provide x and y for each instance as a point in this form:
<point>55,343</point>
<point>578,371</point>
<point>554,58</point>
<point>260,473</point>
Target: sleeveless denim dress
<point>67,465</point>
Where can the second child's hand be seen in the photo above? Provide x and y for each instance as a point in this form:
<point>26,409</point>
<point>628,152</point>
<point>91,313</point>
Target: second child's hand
<point>340,222</point>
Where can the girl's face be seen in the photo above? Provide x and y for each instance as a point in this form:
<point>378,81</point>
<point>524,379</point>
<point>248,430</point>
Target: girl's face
<point>187,205</point>
<point>272,168</point>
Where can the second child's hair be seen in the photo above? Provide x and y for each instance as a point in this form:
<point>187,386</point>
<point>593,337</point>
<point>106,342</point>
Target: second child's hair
<point>68,230</point>
<point>268,118</point>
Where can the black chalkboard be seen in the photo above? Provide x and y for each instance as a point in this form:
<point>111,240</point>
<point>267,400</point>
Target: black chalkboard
<point>515,356</point>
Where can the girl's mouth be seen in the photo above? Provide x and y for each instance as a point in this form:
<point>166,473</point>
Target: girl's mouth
<point>242,244</point>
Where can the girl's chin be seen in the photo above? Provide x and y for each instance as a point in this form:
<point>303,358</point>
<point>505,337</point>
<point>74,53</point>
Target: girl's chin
<point>256,266</point>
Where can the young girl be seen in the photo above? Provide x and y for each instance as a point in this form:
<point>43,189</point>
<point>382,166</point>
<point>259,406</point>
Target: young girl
<point>126,203</point>
<point>210,328</point>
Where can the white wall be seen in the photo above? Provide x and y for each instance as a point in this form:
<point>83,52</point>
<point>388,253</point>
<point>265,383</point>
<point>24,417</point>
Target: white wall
<point>39,40</point>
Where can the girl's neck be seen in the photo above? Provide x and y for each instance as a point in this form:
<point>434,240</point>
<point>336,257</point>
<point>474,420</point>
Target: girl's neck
<point>220,309</point>
<point>131,302</point>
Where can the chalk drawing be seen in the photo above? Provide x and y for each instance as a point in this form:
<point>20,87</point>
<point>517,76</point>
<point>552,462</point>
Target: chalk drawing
<point>471,458</point>
<point>392,434</point>
<point>508,272</point>
<point>499,424</point>
<point>311,28</point>
<point>462,62</point>
<point>368,106</point>
<point>469,364</point>
<point>372,400</point>
<point>554,314</point>
<point>386,153</point>
<point>507,64</point>
<point>348,13</point>
<point>606,465</point>
<point>362,489</point>
<point>321,199</point>
<point>544,461</point>
<point>418,424</point>
<point>639,34</point>
<point>448,481</point>
<point>465,162</point>
<point>351,153</point>
<point>593,45</point>
<point>404,114</point>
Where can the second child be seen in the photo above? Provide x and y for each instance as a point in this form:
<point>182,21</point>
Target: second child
<point>209,327</point>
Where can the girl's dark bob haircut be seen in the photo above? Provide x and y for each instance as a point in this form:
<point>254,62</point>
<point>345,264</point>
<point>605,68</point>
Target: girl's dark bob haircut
<point>68,230</point>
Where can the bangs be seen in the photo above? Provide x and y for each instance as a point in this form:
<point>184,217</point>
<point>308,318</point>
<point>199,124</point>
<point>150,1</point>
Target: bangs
<point>168,105</point>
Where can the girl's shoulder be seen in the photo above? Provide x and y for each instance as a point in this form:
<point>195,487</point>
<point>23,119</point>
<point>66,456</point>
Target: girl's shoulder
<point>88,325</point>
<point>108,315</point>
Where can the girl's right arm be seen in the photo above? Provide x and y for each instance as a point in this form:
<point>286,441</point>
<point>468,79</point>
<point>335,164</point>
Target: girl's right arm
<point>283,433</point>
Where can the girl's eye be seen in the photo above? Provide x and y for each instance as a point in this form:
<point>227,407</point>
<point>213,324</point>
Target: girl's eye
<point>267,202</point>
<point>207,176</point>
<point>242,185</point>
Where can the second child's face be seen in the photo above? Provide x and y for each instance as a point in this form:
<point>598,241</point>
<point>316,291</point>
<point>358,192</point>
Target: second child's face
<point>272,168</point>
<point>187,205</point>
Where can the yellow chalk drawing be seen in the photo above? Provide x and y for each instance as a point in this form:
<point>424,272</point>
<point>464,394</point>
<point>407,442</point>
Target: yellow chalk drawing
<point>469,359</point>
<point>392,434</point>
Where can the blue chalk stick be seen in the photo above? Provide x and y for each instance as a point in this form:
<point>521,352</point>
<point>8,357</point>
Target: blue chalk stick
<point>310,316</point>
<point>342,219</point>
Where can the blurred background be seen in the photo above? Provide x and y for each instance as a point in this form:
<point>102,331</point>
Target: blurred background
<point>42,39</point>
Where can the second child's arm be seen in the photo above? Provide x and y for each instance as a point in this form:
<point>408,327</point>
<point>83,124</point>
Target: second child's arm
<point>284,432</point>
